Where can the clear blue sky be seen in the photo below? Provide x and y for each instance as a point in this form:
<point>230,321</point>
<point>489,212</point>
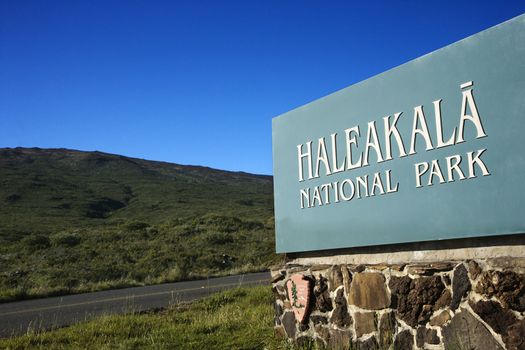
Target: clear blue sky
<point>198,82</point>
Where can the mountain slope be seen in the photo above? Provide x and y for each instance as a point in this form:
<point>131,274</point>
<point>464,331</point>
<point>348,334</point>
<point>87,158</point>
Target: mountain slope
<point>75,221</point>
<point>45,189</point>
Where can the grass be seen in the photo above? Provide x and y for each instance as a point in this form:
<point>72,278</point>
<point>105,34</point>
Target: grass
<point>109,258</point>
<point>76,221</point>
<point>236,319</point>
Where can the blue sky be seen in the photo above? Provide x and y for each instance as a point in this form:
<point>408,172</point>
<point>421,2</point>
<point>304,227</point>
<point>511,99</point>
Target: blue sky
<point>198,82</point>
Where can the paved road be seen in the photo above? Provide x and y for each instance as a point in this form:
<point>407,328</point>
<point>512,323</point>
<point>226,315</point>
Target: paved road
<point>18,317</point>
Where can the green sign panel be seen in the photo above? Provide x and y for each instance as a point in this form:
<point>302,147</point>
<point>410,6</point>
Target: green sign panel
<point>430,150</point>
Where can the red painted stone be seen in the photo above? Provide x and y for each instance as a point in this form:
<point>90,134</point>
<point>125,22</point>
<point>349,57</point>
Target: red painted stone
<point>299,295</point>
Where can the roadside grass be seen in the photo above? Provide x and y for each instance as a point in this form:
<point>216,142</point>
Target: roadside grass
<point>124,256</point>
<point>23,293</point>
<point>236,319</point>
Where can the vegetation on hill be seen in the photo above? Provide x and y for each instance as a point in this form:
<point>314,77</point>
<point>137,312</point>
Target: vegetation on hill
<point>76,221</point>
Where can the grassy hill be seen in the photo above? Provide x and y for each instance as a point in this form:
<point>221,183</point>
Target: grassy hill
<point>74,221</point>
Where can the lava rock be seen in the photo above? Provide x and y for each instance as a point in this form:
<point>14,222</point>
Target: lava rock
<point>474,269</point>
<point>303,326</point>
<point>365,323</point>
<point>368,344</point>
<point>444,300</point>
<point>429,269</point>
<point>507,286</point>
<point>277,276</point>
<point>368,291</point>
<point>323,302</point>
<point>279,292</point>
<point>496,317</point>
<point>426,335</point>
<point>304,341</point>
<point>340,339</point>
<point>289,324</point>
<point>415,299</point>
<point>460,286</point>
<point>323,334</point>
<point>465,332</point>
<point>515,338</point>
<point>317,319</point>
<point>340,316</point>
<point>347,278</point>
<point>335,277</point>
<point>404,340</point>
<point>387,329</point>
<point>440,319</point>
<point>278,312</point>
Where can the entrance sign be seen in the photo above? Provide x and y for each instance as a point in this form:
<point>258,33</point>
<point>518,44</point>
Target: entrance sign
<point>430,150</point>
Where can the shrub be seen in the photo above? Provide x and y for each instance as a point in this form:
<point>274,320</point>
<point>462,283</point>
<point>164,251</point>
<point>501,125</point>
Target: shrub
<point>135,226</point>
<point>65,239</point>
<point>13,198</point>
<point>228,223</point>
<point>37,241</point>
<point>219,238</point>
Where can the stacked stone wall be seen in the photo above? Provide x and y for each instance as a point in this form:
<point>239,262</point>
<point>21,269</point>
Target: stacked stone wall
<point>460,304</point>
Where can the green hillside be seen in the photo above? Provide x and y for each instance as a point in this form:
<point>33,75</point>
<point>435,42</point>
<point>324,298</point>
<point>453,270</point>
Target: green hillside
<point>74,221</point>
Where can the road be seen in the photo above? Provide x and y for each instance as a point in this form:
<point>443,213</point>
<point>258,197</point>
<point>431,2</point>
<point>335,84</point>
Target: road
<point>18,317</point>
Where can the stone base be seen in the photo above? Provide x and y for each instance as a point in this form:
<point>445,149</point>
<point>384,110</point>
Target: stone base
<point>453,304</point>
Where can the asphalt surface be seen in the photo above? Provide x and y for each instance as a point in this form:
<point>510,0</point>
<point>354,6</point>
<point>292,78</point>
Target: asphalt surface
<point>38,314</point>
